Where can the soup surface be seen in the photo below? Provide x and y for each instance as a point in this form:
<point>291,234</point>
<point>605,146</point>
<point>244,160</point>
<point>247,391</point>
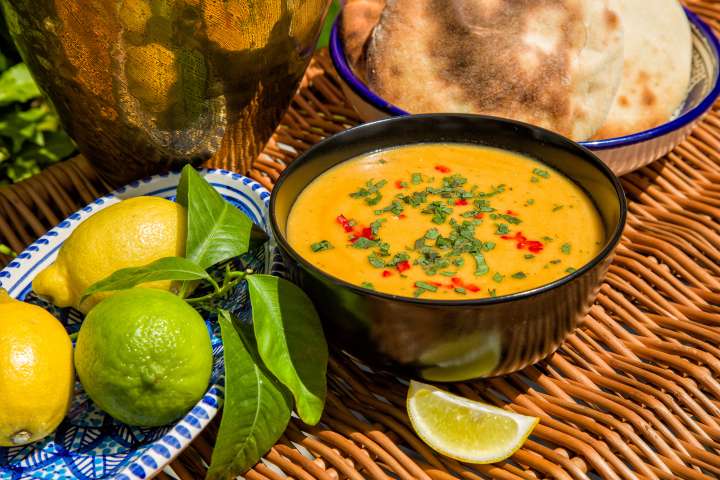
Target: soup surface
<point>445,221</point>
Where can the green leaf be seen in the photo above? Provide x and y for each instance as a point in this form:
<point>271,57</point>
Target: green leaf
<point>169,268</point>
<point>217,231</point>
<point>17,85</point>
<point>257,408</point>
<point>291,341</point>
<point>333,11</point>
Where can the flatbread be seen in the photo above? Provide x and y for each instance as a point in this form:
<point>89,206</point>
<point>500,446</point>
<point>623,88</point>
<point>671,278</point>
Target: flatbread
<point>658,61</point>
<point>553,63</point>
<point>359,18</point>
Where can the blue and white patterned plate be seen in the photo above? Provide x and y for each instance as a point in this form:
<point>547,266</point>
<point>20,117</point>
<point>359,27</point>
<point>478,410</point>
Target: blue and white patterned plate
<point>90,444</point>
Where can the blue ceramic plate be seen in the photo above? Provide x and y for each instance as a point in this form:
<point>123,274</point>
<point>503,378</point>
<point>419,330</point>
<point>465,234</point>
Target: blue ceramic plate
<point>90,444</point>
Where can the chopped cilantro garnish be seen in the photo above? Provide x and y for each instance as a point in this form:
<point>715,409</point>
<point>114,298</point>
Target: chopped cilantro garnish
<point>557,207</point>
<point>448,273</point>
<point>367,285</point>
<point>481,267</point>
<point>382,161</point>
<point>571,270</point>
<point>493,191</point>
<point>529,202</point>
<point>376,261</point>
<point>460,290</point>
<point>432,234</point>
<point>547,239</point>
<point>487,246</point>
<point>555,262</point>
<point>395,208</point>
<point>426,286</point>
<point>529,256</point>
<point>541,173</point>
<point>502,229</point>
<point>364,243</point>
<point>519,275</point>
<point>459,262</point>
<point>375,226</point>
<point>321,245</point>
<point>498,277</point>
<point>416,178</point>
<point>370,192</point>
<point>534,179</point>
<point>565,248</point>
<point>439,211</point>
<point>492,292</point>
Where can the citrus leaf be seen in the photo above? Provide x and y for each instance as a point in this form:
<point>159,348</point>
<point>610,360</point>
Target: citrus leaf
<point>290,341</point>
<point>217,231</point>
<point>17,85</point>
<point>257,408</point>
<point>168,268</point>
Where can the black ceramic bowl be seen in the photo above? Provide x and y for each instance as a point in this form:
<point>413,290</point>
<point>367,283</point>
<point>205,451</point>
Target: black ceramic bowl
<point>456,339</point>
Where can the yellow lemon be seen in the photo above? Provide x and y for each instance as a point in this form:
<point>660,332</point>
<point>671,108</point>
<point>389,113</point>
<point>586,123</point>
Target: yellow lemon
<point>36,372</point>
<point>131,233</point>
<point>463,429</point>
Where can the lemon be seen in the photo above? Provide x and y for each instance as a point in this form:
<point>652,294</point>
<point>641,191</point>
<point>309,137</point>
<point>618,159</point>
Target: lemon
<point>463,429</point>
<point>131,233</point>
<point>144,356</point>
<point>36,372</point>
<point>475,355</point>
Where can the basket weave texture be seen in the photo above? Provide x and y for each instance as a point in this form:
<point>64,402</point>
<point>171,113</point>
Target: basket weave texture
<point>633,393</point>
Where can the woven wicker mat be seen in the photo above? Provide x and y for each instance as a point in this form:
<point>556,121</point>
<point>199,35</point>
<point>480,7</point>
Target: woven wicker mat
<point>634,393</point>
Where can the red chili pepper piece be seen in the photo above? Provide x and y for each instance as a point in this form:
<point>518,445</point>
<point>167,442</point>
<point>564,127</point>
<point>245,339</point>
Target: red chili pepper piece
<point>435,284</point>
<point>442,168</point>
<point>367,233</point>
<point>472,287</point>
<point>386,273</point>
<point>480,215</point>
<point>510,212</point>
<point>344,222</point>
<point>402,216</point>
<point>533,246</point>
<point>399,184</point>
<point>403,266</point>
<point>457,281</point>
<point>461,201</point>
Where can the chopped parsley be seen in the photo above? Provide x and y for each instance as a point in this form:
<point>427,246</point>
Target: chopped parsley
<point>502,229</point>
<point>416,178</point>
<point>364,243</point>
<point>541,173</point>
<point>492,292</point>
<point>375,226</point>
<point>519,275</point>
<point>370,192</point>
<point>529,256</point>
<point>321,246</point>
<point>376,261</point>
<point>498,277</point>
<point>395,208</point>
<point>367,285</point>
<point>571,270</point>
<point>460,290</point>
<point>481,267</point>
<point>565,248</point>
<point>439,211</point>
<point>493,191</point>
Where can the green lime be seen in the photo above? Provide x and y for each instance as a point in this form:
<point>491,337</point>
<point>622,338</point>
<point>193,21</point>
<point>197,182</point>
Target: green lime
<point>144,356</point>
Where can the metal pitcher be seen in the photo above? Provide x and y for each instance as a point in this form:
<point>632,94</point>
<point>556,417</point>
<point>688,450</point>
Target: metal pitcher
<point>146,85</point>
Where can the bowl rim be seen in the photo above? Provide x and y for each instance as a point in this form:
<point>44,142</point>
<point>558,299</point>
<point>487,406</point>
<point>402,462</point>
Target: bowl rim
<point>337,55</point>
<point>539,134</point>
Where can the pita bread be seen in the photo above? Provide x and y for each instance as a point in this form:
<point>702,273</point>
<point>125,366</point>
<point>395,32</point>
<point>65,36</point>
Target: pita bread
<point>553,63</point>
<point>359,19</point>
<point>658,62</point>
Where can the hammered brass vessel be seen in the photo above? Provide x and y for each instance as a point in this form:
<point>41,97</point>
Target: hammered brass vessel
<point>147,85</point>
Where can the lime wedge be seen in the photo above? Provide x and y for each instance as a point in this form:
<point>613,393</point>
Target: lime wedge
<point>463,429</point>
